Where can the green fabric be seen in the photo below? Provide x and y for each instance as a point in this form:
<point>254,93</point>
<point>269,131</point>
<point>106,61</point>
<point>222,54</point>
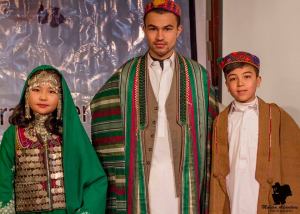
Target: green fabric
<point>84,179</point>
<point>112,124</point>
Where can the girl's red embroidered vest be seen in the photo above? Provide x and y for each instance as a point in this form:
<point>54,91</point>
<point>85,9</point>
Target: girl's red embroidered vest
<point>39,175</point>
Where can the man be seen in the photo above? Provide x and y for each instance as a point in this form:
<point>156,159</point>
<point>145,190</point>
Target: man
<point>151,125</point>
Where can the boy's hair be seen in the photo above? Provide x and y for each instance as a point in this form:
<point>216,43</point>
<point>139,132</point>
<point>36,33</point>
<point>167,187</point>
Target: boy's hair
<point>230,67</point>
<point>162,11</point>
<point>52,124</point>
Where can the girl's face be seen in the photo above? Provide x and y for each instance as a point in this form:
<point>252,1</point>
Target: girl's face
<point>43,99</point>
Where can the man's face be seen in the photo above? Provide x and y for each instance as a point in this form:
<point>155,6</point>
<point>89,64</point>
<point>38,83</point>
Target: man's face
<point>161,31</point>
<point>242,83</point>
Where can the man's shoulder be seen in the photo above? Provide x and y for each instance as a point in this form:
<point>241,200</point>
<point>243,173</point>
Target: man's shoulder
<point>125,67</point>
<point>113,82</point>
<point>131,61</point>
<point>193,62</point>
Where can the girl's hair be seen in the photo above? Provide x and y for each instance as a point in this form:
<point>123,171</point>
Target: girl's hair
<point>52,124</point>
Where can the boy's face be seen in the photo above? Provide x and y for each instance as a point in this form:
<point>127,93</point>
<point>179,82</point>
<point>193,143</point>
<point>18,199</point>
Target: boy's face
<point>161,31</point>
<point>43,99</point>
<point>242,83</point>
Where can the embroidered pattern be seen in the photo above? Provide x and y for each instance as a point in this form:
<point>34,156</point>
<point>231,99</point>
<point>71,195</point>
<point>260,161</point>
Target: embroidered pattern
<point>141,76</point>
<point>119,112</point>
<point>182,85</point>
<point>239,56</point>
<point>168,5</point>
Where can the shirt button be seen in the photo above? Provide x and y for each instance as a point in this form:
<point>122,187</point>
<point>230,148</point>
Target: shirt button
<point>156,108</point>
<point>153,122</point>
<point>148,162</point>
<point>152,135</point>
<point>150,149</point>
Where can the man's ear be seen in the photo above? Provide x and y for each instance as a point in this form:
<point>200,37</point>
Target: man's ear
<point>179,30</point>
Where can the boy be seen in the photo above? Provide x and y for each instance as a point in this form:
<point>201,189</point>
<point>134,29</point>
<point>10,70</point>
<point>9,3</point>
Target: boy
<point>256,146</point>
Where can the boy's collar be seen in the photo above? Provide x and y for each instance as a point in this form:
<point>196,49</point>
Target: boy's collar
<point>241,107</point>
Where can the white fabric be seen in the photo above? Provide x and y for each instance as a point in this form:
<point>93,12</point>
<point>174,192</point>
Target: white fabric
<point>243,141</point>
<point>162,191</point>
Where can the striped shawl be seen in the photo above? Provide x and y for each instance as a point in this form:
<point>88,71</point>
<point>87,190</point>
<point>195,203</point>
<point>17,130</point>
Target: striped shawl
<point>119,116</point>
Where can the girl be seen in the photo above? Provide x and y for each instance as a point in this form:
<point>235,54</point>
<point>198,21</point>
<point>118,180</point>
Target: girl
<point>47,163</point>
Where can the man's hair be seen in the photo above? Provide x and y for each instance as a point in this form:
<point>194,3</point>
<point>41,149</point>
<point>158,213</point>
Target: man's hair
<point>230,67</point>
<point>162,11</point>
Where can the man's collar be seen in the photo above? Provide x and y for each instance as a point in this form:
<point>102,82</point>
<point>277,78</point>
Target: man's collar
<point>151,61</point>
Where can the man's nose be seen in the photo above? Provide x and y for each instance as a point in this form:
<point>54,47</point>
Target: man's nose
<point>159,35</point>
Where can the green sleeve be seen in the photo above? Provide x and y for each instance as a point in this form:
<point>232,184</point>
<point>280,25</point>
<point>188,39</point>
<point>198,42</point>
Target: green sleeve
<point>95,197</point>
<point>94,192</point>
<point>84,171</point>
<point>7,166</point>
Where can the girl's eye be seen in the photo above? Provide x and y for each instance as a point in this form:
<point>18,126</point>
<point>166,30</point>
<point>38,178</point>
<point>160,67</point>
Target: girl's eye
<point>35,89</point>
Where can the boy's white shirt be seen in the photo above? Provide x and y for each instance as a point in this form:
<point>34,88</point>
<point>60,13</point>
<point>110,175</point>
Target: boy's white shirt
<point>163,199</point>
<point>242,186</point>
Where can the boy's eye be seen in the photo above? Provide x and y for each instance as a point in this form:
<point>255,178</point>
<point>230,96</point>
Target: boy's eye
<point>232,79</point>
<point>247,76</point>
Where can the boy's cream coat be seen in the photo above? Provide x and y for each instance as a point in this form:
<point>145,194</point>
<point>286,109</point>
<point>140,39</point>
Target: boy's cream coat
<point>278,160</point>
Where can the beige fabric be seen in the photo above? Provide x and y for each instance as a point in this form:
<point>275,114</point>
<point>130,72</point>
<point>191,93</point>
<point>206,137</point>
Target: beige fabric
<point>277,161</point>
<point>177,135</point>
<point>162,172</point>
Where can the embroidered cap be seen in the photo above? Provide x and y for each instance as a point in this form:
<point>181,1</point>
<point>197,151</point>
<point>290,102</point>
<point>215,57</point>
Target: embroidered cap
<point>239,56</point>
<point>168,5</point>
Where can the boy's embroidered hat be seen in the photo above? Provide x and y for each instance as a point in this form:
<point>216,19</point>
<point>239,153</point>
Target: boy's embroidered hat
<point>168,5</point>
<point>239,56</point>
